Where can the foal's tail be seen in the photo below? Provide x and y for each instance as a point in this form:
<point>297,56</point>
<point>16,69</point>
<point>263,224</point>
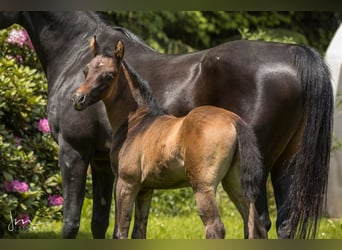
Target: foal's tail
<point>310,165</point>
<point>250,160</point>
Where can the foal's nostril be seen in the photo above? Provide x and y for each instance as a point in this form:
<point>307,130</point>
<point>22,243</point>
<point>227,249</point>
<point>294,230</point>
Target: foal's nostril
<point>82,98</point>
<point>78,101</point>
<point>78,98</point>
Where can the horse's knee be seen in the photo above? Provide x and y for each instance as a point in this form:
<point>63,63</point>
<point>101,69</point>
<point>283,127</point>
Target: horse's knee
<point>215,230</point>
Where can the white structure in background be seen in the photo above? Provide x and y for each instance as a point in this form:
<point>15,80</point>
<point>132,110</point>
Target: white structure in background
<point>334,60</point>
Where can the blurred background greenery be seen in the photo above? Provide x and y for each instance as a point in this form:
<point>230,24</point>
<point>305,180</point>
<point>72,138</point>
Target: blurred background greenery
<point>185,31</point>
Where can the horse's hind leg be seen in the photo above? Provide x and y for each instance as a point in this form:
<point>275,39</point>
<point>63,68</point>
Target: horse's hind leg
<point>142,209</point>
<point>231,183</point>
<point>208,211</point>
<point>281,176</point>
<point>103,179</point>
<point>281,183</point>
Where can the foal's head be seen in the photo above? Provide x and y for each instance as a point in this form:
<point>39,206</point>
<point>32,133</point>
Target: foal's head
<point>102,74</point>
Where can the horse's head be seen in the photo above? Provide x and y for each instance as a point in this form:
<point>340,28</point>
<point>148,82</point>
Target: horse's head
<point>102,74</point>
<point>7,18</point>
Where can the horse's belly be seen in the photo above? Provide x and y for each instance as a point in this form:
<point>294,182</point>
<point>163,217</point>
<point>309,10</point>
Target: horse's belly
<point>165,176</point>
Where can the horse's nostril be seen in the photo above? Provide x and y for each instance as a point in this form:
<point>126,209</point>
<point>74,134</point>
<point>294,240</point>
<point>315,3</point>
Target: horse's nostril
<point>78,98</point>
<point>82,98</point>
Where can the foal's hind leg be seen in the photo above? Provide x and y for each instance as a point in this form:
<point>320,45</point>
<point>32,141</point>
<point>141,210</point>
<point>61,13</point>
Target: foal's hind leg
<point>231,183</point>
<point>142,209</point>
<point>208,211</point>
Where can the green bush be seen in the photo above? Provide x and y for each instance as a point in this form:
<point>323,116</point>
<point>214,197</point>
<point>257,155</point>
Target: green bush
<point>30,181</point>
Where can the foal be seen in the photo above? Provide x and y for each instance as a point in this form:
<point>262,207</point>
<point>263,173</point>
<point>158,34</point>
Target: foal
<point>153,150</point>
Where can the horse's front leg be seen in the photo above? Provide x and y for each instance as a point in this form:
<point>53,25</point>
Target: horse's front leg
<point>142,209</point>
<point>103,179</point>
<point>125,195</point>
<point>73,165</point>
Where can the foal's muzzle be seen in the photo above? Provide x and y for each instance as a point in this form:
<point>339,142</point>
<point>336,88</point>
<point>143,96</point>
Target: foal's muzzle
<point>80,101</point>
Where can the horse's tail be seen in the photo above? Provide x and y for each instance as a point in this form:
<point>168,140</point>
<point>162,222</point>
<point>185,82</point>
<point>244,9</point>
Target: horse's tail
<point>250,160</point>
<point>310,165</point>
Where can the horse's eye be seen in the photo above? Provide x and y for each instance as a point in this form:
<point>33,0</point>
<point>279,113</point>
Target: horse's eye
<point>109,76</point>
<point>85,72</point>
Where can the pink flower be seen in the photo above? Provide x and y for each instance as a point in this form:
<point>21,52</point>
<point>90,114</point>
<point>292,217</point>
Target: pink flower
<point>20,187</point>
<point>16,37</point>
<point>8,186</point>
<point>28,40</point>
<point>23,220</point>
<point>20,38</point>
<point>43,125</point>
<point>55,200</point>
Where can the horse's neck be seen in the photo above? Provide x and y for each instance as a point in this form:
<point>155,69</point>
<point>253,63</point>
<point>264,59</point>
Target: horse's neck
<point>55,34</point>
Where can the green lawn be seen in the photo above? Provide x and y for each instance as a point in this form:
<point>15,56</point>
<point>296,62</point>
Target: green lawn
<point>178,227</point>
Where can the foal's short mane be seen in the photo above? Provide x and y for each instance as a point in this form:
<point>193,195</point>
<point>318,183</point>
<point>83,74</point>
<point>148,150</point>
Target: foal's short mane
<point>148,109</point>
<point>142,91</point>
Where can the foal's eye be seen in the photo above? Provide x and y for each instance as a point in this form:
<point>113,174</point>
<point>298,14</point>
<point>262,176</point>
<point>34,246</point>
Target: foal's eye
<point>109,76</point>
<point>85,72</point>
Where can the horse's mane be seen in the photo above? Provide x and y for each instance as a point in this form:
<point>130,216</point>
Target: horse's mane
<point>104,20</point>
<point>100,20</point>
<point>143,93</point>
<point>148,109</point>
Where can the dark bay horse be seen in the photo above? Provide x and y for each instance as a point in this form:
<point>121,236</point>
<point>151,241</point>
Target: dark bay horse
<point>282,90</point>
<point>152,149</point>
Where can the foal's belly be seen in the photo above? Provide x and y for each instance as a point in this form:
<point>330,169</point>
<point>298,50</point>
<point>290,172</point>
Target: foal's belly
<point>165,175</point>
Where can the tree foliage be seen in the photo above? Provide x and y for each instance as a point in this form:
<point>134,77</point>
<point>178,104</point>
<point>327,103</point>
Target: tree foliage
<point>185,31</point>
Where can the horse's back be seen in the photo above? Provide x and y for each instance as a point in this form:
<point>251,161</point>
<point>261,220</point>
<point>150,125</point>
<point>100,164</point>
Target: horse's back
<point>210,123</point>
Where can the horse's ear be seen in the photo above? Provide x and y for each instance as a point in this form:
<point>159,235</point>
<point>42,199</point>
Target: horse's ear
<point>119,50</point>
<point>94,47</point>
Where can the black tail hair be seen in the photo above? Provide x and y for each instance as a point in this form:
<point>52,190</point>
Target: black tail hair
<point>250,160</point>
<point>310,165</point>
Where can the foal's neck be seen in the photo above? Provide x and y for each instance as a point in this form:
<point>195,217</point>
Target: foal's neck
<point>140,91</point>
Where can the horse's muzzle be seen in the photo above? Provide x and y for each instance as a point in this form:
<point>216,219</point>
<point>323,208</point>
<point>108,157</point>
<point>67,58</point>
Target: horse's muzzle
<point>79,101</point>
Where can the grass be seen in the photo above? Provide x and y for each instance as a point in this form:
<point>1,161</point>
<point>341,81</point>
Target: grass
<point>178,227</point>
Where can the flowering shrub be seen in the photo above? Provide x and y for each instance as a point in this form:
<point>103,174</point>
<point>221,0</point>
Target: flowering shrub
<point>15,186</point>
<point>30,181</point>
<point>55,200</point>
<point>43,125</point>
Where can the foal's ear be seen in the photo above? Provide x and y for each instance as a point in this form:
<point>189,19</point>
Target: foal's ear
<point>94,47</point>
<point>119,50</point>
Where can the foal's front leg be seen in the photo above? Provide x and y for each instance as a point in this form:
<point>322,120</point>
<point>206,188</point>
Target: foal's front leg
<point>125,195</point>
<point>142,209</point>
